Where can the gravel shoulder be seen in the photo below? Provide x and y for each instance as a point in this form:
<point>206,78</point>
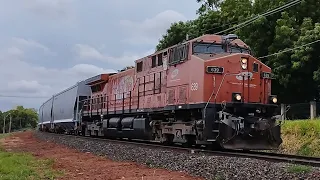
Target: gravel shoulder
<point>199,165</point>
<point>75,164</point>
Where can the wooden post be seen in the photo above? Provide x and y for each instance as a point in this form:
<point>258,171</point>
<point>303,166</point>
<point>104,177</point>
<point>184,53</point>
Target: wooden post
<point>313,110</point>
<point>283,112</point>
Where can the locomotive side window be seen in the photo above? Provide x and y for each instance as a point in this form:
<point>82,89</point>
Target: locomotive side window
<point>178,54</point>
<point>139,66</point>
<point>96,88</point>
<point>255,67</point>
<point>207,48</point>
<point>165,53</point>
<point>160,59</point>
<point>154,61</point>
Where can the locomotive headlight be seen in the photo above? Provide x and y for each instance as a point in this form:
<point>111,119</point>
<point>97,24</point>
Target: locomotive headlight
<point>244,60</point>
<point>273,99</point>
<point>244,66</point>
<point>244,63</point>
<point>238,97</point>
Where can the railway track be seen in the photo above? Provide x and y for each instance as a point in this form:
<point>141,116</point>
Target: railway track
<point>275,157</point>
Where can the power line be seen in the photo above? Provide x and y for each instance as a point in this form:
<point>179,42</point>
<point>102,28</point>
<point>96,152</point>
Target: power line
<point>289,49</point>
<point>268,13</point>
<point>15,96</point>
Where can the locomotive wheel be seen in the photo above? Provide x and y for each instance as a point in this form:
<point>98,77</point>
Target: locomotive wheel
<point>169,139</point>
<point>191,140</point>
<point>214,146</point>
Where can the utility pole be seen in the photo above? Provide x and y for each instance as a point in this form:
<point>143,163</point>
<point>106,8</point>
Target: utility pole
<point>10,124</point>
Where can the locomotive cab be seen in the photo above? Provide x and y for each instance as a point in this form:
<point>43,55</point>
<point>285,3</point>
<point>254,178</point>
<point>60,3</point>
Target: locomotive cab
<point>239,110</point>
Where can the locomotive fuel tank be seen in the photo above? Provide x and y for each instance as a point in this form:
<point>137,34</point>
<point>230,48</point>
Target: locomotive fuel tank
<point>127,123</point>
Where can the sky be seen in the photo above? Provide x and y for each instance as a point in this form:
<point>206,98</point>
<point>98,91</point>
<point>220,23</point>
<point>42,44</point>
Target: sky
<point>48,45</point>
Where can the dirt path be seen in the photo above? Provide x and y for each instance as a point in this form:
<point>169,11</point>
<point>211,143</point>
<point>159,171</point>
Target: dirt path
<point>79,165</point>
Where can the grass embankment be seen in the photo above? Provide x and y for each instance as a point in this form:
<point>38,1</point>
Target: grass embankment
<point>23,166</point>
<point>301,137</point>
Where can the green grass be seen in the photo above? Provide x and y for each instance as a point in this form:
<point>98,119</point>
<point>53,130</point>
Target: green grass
<point>306,128</point>
<point>301,137</point>
<point>299,169</point>
<point>23,166</point>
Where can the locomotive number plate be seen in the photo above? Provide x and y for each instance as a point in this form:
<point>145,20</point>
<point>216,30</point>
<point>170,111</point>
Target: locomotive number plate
<point>215,70</point>
<point>266,75</point>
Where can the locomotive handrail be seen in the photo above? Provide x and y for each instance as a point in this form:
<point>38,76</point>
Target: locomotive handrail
<point>217,91</point>
<point>104,101</point>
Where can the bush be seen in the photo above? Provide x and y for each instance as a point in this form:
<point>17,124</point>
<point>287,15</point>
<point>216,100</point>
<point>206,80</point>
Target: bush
<point>301,137</point>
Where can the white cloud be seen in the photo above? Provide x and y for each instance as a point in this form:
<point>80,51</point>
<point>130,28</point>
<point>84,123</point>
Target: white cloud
<point>15,51</point>
<point>27,87</point>
<point>151,29</point>
<point>51,8</point>
<point>28,43</point>
<point>19,78</point>
<point>36,12</point>
<point>87,52</point>
<point>89,70</point>
<point>43,28</point>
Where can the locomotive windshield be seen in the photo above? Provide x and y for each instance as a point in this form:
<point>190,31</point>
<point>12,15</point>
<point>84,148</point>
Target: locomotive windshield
<point>213,48</point>
<point>207,48</point>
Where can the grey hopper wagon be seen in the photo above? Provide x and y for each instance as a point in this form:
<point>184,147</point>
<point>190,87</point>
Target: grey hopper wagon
<point>61,111</point>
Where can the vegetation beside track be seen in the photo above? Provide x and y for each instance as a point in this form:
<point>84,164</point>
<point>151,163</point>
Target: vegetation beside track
<point>24,166</point>
<point>301,137</point>
<point>298,169</point>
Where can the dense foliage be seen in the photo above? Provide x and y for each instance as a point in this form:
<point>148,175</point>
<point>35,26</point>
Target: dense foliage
<point>20,118</point>
<point>297,72</point>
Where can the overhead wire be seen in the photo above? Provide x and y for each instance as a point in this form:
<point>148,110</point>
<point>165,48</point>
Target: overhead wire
<point>16,96</point>
<point>287,50</point>
<point>268,13</point>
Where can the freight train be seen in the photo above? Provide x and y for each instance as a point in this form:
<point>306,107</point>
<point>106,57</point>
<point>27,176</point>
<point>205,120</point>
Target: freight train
<point>208,91</point>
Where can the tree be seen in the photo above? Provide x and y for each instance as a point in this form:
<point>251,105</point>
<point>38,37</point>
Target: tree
<point>175,34</point>
<point>236,11</point>
<point>208,5</point>
<point>297,72</point>
<point>21,118</point>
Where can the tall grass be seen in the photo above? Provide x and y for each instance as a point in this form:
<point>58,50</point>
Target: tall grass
<point>301,137</point>
<point>23,166</point>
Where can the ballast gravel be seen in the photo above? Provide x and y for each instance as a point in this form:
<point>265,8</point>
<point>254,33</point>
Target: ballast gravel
<point>206,166</point>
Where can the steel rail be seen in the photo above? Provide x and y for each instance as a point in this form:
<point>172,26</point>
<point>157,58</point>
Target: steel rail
<point>274,157</point>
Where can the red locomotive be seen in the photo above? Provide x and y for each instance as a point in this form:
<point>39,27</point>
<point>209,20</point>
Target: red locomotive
<point>206,91</point>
